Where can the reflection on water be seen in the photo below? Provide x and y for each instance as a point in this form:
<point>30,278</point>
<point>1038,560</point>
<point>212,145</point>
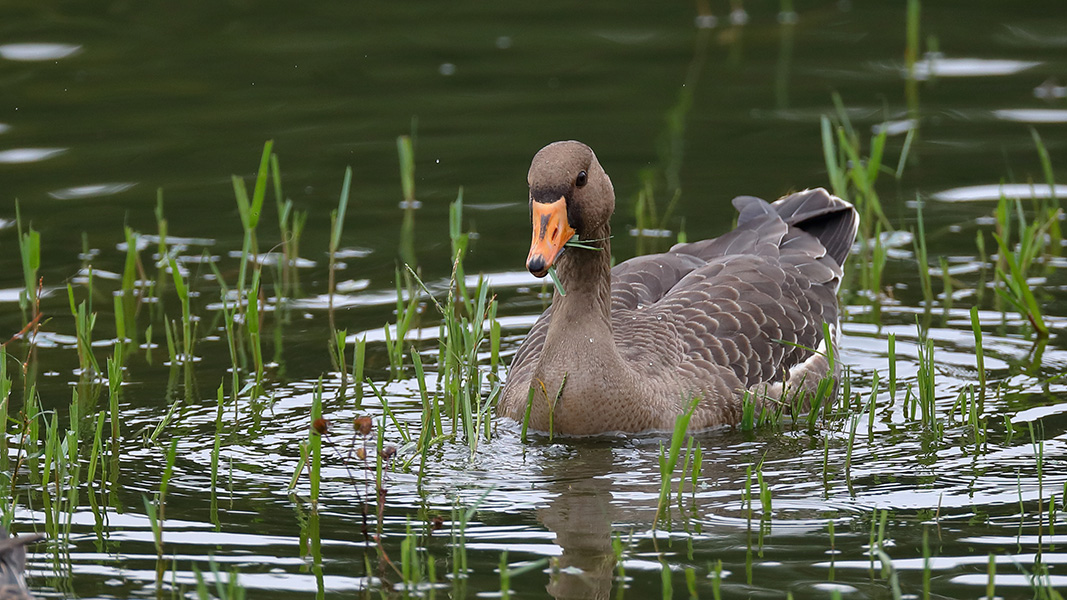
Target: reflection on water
<point>940,66</point>
<point>27,155</point>
<point>976,193</point>
<point>1032,115</point>
<point>142,97</point>
<point>36,52</point>
<point>573,500</point>
<point>90,191</point>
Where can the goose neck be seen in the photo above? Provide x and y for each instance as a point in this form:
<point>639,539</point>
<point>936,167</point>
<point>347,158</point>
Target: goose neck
<point>585,275</point>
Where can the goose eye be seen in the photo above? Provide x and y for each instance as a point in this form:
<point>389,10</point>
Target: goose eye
<point>581,179</point>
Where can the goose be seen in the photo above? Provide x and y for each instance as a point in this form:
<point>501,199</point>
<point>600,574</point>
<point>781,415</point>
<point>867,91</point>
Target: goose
<point>628,349</point>
<point>13,565</point>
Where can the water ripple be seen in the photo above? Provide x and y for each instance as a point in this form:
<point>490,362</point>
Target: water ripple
<point>38,51</point>
<point>1032,115</point>
<point>90,191</point>
<point>28,155</point>
<point>993,191</point>
<point>969,67</point>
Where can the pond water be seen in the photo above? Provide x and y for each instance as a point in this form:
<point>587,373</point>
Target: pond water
<point>102,104</point>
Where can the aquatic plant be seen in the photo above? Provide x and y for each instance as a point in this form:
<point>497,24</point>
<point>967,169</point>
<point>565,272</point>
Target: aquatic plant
<point>337,226</point>
<point>1015,262</point>
<point>226,588</point>
<point>853,177</point>
<point>73,459</point>
<point>291,223</point>
<point>669,458</point>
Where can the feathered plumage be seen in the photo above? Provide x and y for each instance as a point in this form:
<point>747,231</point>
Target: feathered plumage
<point>627,347</point>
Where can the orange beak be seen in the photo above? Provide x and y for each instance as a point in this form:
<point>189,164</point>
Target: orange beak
<point>550,232</point>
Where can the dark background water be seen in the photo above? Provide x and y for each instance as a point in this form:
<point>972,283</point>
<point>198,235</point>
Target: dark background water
<point>103,103</point>
<point>181,99</point>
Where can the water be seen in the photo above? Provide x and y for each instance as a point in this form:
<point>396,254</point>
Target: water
<point>102,105</point>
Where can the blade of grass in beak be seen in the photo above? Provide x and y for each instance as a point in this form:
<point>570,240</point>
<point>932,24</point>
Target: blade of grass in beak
<point>555,280</point>
<point>585,244</point>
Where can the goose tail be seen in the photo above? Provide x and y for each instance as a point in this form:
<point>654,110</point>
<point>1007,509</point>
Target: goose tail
<point>824,216</point>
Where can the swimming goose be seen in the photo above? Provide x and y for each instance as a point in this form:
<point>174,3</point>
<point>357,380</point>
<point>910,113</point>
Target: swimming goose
<point>625,349</point>
<point>13,565</point>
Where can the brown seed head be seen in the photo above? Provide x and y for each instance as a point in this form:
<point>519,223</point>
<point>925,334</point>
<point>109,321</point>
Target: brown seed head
<point>361,453</point>
<point>437,523</point>
<point>320,426</point>
<point>364,425</point>
<point>388,452</point>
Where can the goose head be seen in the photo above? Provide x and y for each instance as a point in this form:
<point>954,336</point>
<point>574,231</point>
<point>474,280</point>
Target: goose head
<point>570,194</point>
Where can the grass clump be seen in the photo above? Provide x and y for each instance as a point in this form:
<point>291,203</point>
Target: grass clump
<point>468,314</point>
<point>1016,261</point>
<point>853,177</point>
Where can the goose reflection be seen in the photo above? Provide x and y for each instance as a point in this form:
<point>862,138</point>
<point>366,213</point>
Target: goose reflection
<point>603,488</point>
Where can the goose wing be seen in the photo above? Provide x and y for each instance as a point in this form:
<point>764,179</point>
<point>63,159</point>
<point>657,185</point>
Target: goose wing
<point>757,301</point>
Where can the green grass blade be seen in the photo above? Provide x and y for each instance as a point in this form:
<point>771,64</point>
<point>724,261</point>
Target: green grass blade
<point>260,191</point>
